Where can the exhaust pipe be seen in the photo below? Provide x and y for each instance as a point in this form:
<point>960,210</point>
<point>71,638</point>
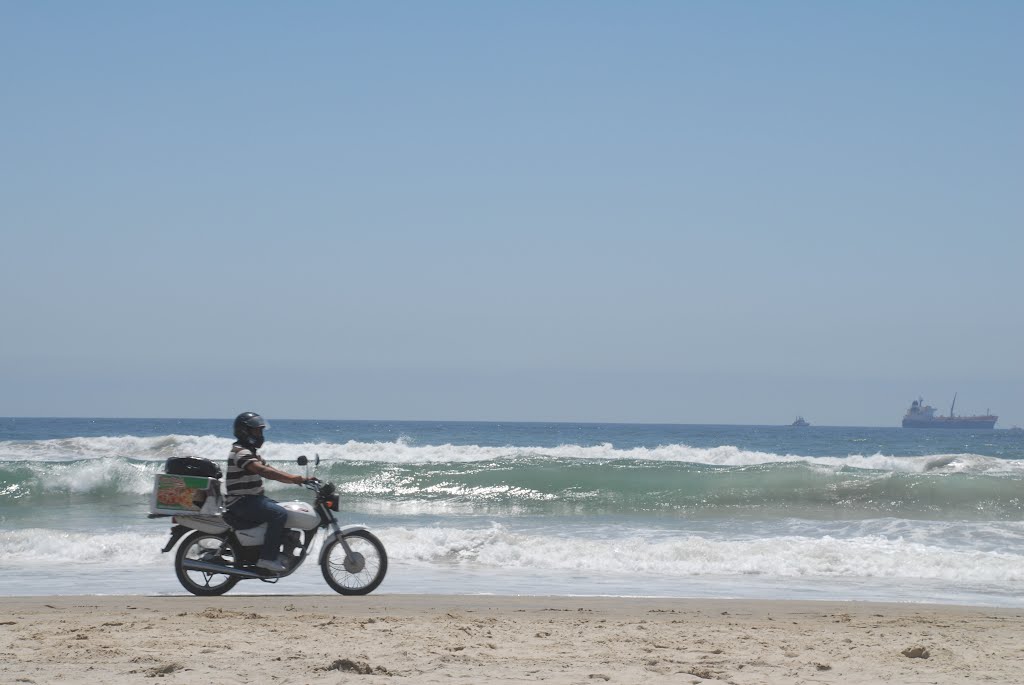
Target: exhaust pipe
<point>206,566</point>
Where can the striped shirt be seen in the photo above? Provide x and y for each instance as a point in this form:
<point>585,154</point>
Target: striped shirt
<point>239,482</point>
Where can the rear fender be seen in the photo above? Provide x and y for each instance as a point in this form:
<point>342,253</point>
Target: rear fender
<point>176,533</point>
<point>208,523</point>
<point>342,532</point>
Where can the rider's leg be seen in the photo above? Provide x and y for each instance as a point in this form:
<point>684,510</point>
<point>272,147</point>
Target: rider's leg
<point>262,509</point>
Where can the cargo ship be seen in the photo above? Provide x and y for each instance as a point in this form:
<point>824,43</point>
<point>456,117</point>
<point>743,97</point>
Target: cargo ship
<point>800,422</point>
<point>921,415</point>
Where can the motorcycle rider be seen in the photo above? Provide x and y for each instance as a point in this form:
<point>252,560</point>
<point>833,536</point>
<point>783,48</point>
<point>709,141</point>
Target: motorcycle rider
<point>244,497</point>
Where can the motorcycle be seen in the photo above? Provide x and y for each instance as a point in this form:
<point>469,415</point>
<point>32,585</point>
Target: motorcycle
<point>218,551</point>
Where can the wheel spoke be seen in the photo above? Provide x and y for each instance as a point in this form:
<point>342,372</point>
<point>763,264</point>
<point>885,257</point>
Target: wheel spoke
<point>363,571</point>
<point>206,548</point>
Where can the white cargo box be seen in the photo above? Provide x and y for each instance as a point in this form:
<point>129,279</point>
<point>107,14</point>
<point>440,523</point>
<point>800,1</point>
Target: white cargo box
<point>174,494</point>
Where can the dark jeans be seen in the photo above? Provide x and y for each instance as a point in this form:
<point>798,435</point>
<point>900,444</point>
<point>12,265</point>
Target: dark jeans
<point>262,509</point>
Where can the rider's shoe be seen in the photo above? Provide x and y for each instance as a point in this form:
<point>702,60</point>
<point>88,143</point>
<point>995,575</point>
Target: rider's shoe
<point>273,565</point>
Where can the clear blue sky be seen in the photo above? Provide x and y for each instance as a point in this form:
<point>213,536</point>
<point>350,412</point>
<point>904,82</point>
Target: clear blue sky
<point>726,212</point>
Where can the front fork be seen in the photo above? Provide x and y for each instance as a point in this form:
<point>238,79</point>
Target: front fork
<point>339,533</point>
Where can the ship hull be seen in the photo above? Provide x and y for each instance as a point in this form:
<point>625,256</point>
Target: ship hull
<point>959,422</point>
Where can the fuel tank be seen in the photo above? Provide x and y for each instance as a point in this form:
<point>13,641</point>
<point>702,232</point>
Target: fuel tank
<point>301,515</point>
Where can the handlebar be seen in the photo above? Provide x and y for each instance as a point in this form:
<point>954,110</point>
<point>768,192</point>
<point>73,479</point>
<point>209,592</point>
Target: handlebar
<point>313,483</point>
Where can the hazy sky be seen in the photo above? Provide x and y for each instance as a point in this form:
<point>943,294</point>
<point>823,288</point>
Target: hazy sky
<point>685,212</point>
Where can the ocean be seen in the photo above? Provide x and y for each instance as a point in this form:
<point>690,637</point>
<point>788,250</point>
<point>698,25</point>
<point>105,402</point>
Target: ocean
<point>838,513</point>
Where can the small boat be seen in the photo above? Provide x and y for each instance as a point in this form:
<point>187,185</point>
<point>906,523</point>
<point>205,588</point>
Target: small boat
<point>799,422</point>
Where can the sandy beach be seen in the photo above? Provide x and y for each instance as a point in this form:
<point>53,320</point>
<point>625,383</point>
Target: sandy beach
<point>493,639</point>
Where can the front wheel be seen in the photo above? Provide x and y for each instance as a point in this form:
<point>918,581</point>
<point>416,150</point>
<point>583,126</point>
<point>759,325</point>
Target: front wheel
<point>200,546</point>
<point>358,573</point>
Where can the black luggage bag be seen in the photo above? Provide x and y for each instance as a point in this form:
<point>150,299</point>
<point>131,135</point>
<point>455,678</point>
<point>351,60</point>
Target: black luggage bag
<point>192,466</point>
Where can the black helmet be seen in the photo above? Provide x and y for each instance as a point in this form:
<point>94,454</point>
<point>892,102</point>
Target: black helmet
<point>249,430</point>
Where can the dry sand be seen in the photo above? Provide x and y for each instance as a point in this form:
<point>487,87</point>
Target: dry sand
<point>489,639</point>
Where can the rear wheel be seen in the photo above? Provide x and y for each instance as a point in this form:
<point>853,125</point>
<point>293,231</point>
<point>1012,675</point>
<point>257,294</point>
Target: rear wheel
<point>358,573</point>
<point>209,548</point>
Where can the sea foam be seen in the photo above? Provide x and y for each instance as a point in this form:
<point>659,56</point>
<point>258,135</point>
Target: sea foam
<point>403,451</point>
<point>501,547</point>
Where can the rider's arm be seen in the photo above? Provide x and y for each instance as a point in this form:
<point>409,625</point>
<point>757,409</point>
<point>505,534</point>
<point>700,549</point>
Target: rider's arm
<point>268,471</point>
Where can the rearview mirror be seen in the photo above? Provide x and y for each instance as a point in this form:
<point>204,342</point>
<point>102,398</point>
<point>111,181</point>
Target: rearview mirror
<point>302,461</point>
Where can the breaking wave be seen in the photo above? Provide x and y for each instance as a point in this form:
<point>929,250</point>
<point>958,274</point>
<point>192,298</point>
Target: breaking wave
<point>401,477</point>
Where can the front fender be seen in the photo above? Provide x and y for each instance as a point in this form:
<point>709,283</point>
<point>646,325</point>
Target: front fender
<point>342,532</point>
